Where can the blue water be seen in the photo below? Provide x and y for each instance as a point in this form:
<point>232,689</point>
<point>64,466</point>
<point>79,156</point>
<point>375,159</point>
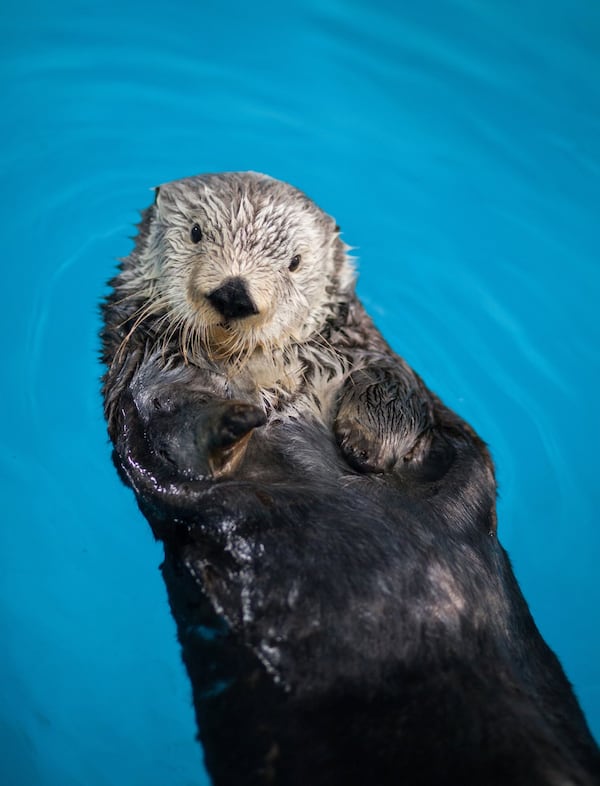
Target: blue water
<point>457,143</point>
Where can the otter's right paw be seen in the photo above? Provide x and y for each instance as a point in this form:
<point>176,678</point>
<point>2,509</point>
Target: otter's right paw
<point>232,427</point>
<point>233,421</point>
<point>205,437</point>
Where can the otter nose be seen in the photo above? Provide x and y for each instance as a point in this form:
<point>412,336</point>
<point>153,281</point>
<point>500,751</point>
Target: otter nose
<point>232,300</point>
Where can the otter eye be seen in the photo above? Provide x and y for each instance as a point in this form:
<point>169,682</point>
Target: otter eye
<point>294,263</point>
<point>196,234</point>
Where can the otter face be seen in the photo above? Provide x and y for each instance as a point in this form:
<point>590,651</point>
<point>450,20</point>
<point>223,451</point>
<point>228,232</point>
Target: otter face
<point>241,261</point>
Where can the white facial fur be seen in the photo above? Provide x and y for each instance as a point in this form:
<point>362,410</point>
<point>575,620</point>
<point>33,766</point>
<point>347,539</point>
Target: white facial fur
<point>252,227</point>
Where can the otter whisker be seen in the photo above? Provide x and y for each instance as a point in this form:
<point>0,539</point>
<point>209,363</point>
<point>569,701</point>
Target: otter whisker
<point>184,341</point>
<point>144,313</point>
<point>145,306</point>
<point>177,320</point>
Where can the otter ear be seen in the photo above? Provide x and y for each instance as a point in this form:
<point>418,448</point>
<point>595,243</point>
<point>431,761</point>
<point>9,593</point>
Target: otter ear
<point>156,193</point>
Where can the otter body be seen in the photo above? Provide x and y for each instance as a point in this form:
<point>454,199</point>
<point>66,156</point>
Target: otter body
<point>346,613</point>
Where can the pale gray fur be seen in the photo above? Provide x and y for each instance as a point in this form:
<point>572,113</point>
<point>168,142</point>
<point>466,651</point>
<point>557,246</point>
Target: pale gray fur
<point>310,351</point>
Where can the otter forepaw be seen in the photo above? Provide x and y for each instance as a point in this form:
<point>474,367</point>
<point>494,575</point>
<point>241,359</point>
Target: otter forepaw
<point>230,432</point>
<point>382,420</point>
<point>236,419</point>
<point>362,449</point>
<point>200,437</point>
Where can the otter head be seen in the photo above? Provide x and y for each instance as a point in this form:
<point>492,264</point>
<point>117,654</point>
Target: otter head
<point>241,262</point>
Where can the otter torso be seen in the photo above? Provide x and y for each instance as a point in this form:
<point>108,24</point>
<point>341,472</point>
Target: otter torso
<point>346,613</point>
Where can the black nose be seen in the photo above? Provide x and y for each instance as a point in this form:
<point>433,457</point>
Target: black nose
<point>232,299</point>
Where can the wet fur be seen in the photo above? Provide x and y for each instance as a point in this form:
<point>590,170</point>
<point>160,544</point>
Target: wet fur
<point>346,613</point>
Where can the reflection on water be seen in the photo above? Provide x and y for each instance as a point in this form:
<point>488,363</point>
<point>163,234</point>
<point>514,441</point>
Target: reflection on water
<point>457,146</point>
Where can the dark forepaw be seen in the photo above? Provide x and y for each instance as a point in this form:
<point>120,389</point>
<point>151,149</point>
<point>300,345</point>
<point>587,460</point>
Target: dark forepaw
<point>203,438</point>
<point>237,419</point>
<point>232,424</point>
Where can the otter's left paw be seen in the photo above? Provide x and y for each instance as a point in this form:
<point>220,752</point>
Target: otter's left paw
<point>362,448</point>
<point>383,418</point>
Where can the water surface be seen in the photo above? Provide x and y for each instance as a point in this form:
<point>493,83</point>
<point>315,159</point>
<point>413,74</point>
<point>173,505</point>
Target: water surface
<point>457,144</point>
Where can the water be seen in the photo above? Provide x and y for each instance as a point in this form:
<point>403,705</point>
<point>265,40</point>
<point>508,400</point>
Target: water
<point>457,144</point>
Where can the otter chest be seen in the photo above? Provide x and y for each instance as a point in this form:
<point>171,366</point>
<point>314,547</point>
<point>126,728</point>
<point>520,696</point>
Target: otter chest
<point>297,384</point>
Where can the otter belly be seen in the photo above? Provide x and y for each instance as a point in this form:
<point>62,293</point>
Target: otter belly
<point>347,628</point>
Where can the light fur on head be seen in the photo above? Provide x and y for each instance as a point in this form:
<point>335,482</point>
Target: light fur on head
<point>252,227</point>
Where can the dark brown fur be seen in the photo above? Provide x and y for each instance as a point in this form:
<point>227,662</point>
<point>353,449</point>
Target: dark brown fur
<point>346,613</point>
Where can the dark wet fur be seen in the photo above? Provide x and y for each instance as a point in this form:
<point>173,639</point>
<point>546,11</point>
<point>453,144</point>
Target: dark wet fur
<point>339,626</point>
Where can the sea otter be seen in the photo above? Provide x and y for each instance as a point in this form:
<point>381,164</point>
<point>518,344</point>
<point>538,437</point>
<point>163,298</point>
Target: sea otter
<point>346,613</point>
